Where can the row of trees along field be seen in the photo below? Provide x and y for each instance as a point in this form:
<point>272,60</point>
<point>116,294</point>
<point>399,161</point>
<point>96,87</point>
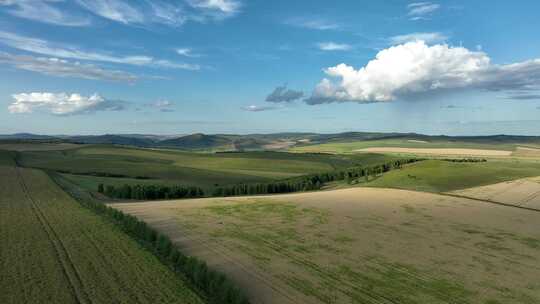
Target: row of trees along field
<point>213,286</point>
<point>150,192</point>
<point>312,181</point>
<point>303,183</point>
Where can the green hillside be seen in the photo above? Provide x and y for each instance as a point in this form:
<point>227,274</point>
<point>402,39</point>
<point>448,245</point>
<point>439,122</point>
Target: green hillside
<point>55,251</point>
<point>442,176</point>
<point>90,165</point>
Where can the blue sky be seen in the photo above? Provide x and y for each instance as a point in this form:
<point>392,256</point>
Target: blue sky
<point>239,66</point>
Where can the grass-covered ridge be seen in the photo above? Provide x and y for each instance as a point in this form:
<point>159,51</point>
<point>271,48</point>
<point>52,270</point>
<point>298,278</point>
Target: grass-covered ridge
<point>205,170</point>
<point>442,176</point>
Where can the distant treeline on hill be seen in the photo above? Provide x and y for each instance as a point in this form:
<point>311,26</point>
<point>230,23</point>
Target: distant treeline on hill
<point>465,160</point>
<point>303,183</point>
<point>102,174</point>
<point>150,192</point>
<point>312,181</point>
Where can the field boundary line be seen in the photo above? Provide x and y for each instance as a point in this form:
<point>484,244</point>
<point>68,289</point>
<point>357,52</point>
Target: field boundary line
<point>489,201</point>
<point>75,284</point>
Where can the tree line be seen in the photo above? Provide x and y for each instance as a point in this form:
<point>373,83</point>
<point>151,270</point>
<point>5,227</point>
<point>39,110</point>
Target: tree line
<point>214,286</point>
<point>150,192</point>
<point>311,181</point>
<point>101,174</point>
<point>308,182</point>
<point>465,160</point>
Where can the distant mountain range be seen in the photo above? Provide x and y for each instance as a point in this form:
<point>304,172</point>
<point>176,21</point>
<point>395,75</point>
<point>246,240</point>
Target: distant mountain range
<point>254,142</point>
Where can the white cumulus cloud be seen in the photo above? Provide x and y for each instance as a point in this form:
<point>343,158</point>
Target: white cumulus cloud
<point>61,103</point>
<point>416,67</point>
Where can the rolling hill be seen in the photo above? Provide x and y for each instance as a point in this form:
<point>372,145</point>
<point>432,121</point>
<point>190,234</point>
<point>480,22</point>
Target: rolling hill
<point>311,142</point>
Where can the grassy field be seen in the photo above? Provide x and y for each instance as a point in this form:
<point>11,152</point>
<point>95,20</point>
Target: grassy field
<point>443,176</point>
<point>360,245</point>
<point>54,251</point>
<point>523,192</point>
<point>198,169</point>
<point>348,147</point>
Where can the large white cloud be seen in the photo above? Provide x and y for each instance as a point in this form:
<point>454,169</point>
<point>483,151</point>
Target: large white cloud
<point>415,67</point>
<point>61,103</point>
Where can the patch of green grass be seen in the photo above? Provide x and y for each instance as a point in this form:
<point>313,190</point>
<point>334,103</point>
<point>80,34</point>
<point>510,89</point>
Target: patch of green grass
<point>442,176</point>
<point>531,242</point>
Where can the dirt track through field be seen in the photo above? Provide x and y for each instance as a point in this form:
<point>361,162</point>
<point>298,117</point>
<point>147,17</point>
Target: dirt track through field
<point>359,245</point>
<point>68,268</point>
<point>437,151</point>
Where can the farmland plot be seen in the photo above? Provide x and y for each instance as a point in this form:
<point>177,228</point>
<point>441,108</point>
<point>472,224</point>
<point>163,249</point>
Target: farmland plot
<point>522,192</point>
<point>54,251</point>
<point>360,245</point>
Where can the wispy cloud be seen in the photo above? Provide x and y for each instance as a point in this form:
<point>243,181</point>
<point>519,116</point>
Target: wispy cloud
<point>313,23</point>
<point>128,12</point>
<point>451,106</point>
<point>44,47</point>
<point>259,108</point>
<point>217,8</point>
<point>64,68</point>
<point>62,103</point>
<point>187,52</point>
<point>115,10</point>
<point>522,96</point>
<point>162,106</point>
<point>139,13</point>
<point>419,10</point>
<point>432,37</point>
<point>43,11</point>
<point>332,46</point>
